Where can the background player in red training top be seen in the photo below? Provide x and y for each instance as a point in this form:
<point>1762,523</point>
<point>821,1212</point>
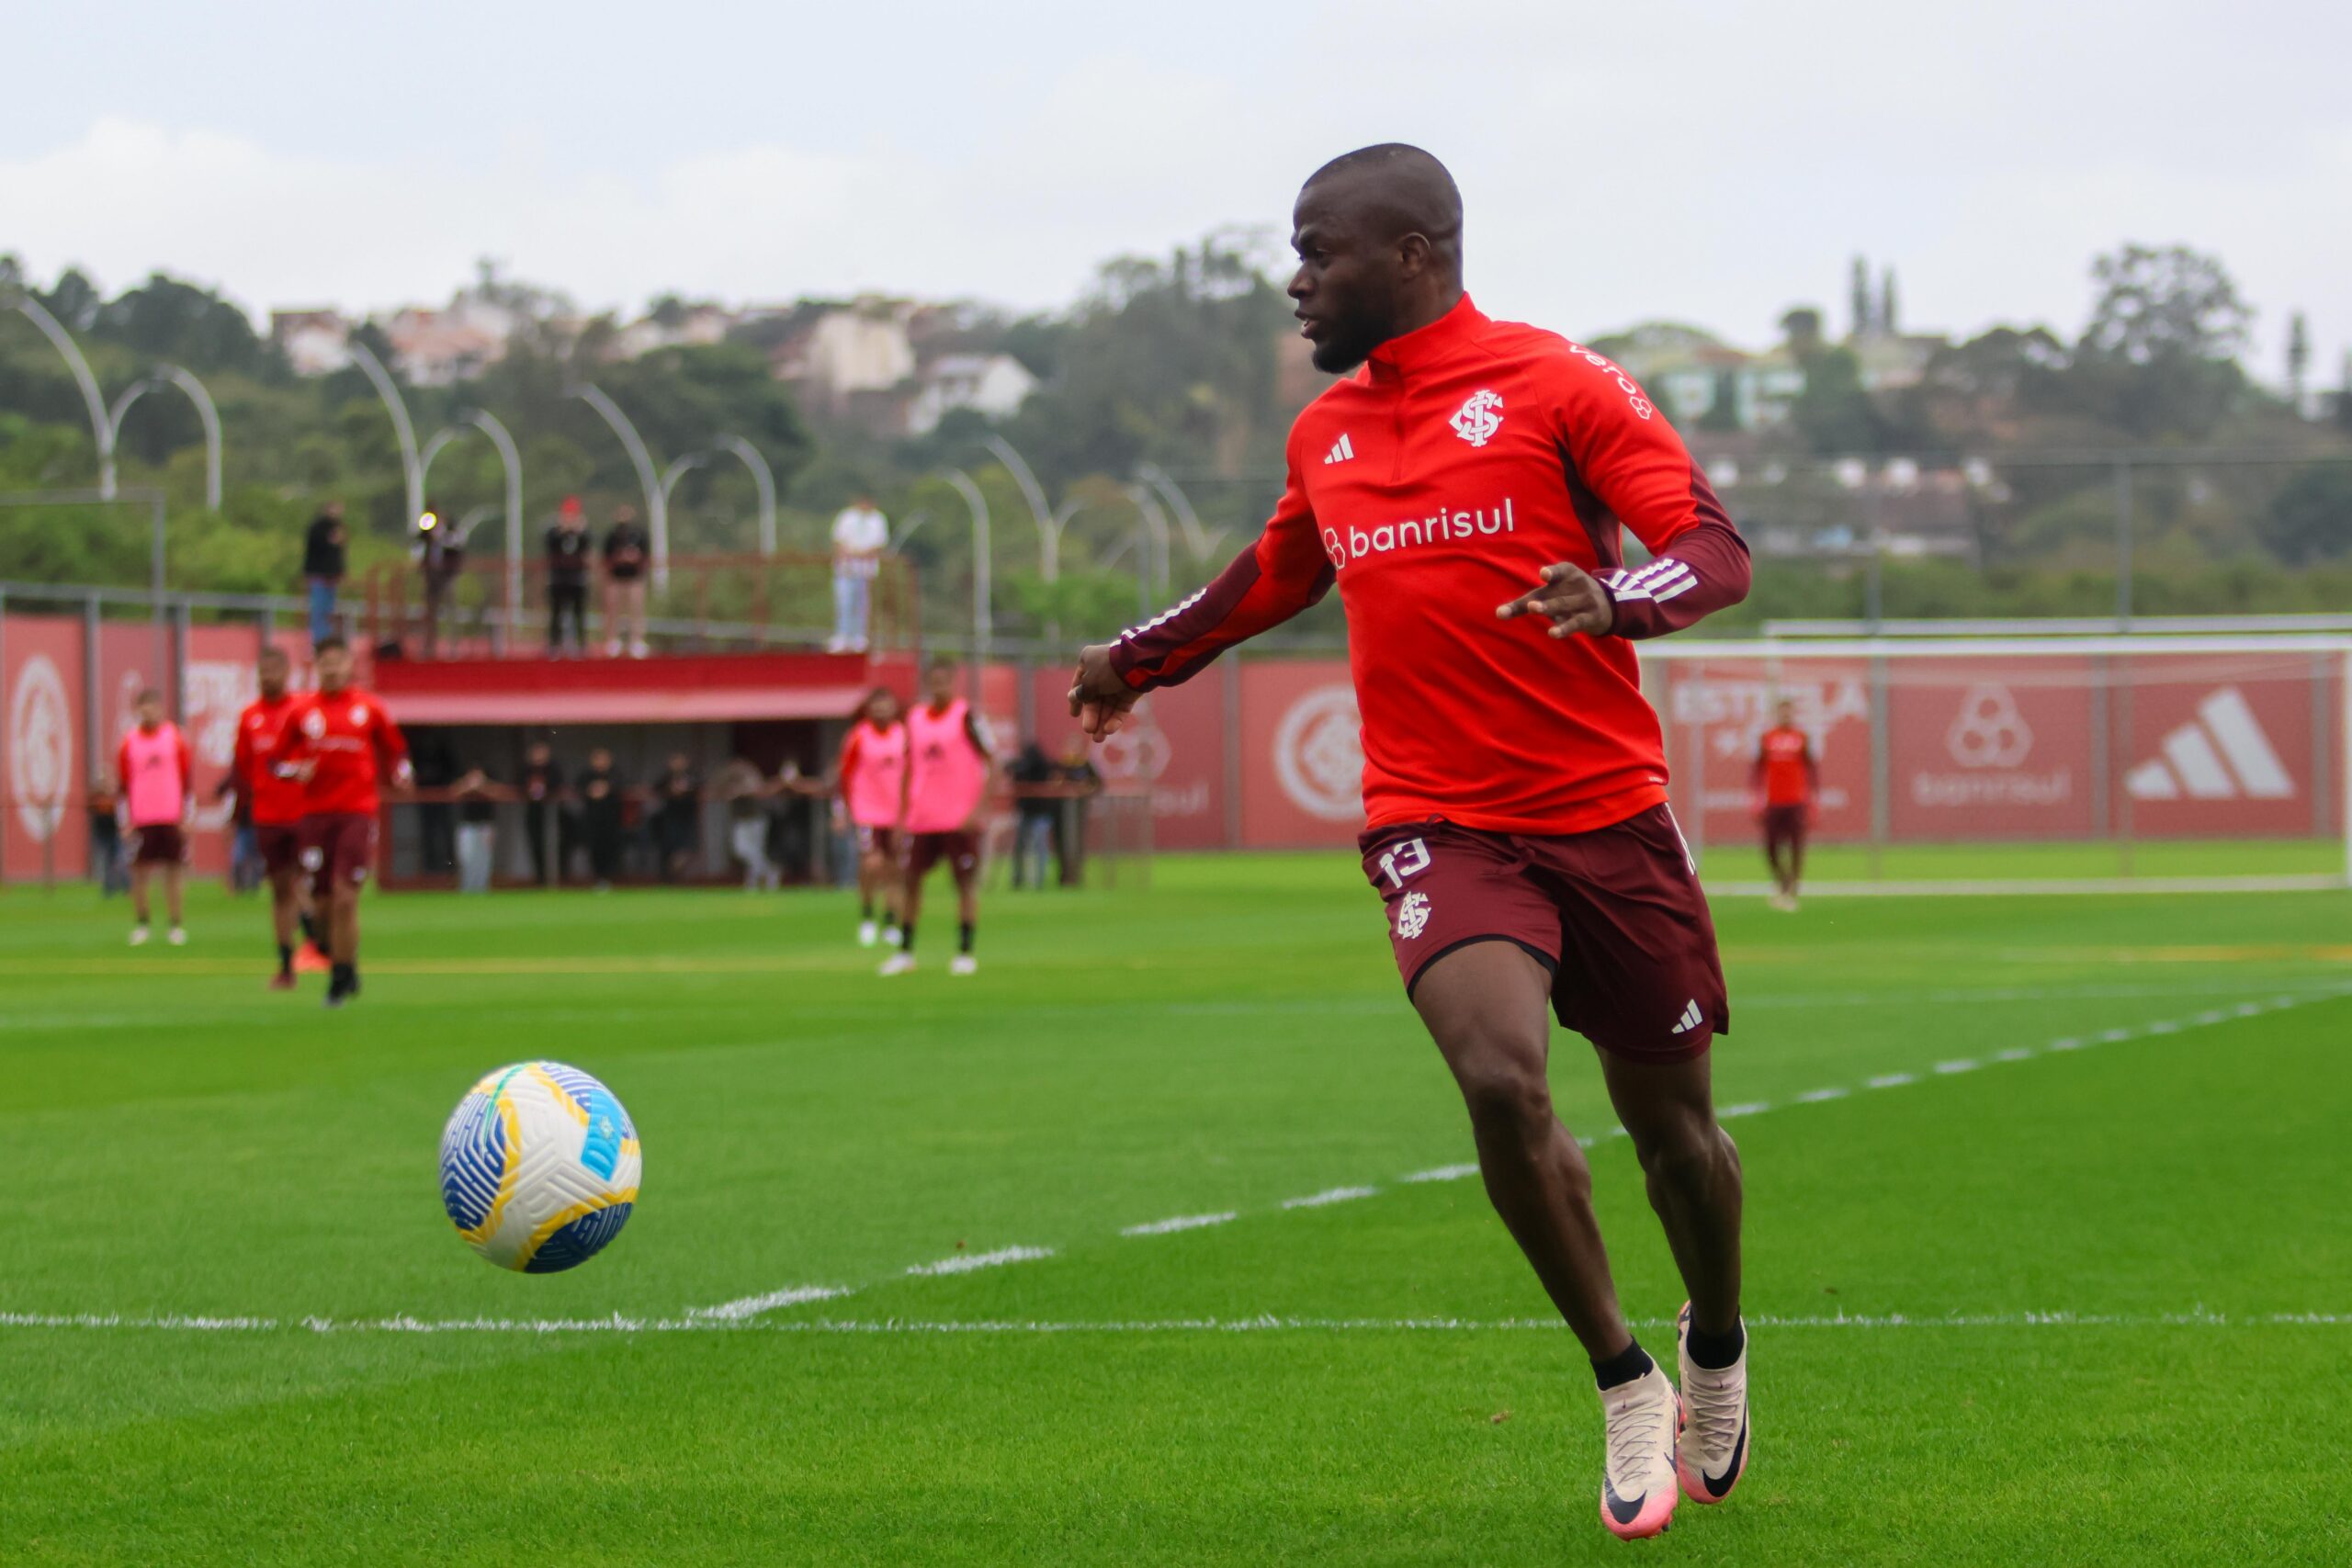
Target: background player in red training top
<point>1786,780</point>
<point>1467,489</point>
<point>340,746</point>
<point>275,804</point>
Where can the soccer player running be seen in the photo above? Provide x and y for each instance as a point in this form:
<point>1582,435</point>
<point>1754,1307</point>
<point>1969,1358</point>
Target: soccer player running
<point>949,768</point>
<point>871,779</point>
<point>275,804</point>
<point>159,796</point>
<point>341,745</point>
<point>1466,487</point>
<point>1786,780</point>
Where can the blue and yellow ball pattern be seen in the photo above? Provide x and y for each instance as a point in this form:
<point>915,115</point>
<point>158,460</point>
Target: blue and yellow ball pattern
<point>539,1166</point>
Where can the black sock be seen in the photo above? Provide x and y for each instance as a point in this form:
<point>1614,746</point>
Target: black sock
<point>865,910</point>
<point>309,930</point>
<point>285,959</point>
<point>1627,1365</point>
<point>964,938</point>
<point>1716,1351</point>
<point>907,937</point>
<point>344,977</point>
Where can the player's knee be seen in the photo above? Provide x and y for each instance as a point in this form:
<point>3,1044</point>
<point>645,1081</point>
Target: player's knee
<point>1688,1156</point>
<point>1506,1091</point>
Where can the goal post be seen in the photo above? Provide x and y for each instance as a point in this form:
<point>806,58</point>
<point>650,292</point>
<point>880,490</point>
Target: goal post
<point>2023,762</point>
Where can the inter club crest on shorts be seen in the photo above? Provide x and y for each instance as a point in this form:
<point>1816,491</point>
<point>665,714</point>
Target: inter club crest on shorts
<point>1412,915</point>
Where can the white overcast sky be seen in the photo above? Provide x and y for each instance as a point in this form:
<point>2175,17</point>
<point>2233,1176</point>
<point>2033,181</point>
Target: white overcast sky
<point>1712,163</point>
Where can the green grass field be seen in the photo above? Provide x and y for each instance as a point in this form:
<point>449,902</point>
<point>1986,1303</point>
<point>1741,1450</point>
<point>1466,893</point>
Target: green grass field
<point>2020,1304</point>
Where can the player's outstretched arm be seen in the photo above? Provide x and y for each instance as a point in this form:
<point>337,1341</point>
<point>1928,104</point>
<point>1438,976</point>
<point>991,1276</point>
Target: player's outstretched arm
<point>1281,574</point>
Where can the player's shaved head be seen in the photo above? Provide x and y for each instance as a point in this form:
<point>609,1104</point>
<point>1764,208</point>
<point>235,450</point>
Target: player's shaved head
<point>1393,190</point>
<point>1378,233</point>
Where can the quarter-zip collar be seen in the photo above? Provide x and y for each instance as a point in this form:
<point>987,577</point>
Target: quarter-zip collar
<point>1427,345</point>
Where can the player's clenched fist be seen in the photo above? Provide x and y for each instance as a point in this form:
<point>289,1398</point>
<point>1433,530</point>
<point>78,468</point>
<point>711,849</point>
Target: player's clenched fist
<point>1098,695</point>
<point>1570,598</point>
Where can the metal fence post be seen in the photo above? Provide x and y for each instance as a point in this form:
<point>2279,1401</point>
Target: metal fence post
<point>1233,752</point>
<point>2123,546</point>
<point>1882,768</point>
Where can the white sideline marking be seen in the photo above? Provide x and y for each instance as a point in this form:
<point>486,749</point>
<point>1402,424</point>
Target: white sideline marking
<point>965,1262</point>
<point>1180,1222</point>
<point>2114,1036</point>
<point>1329,1195</point>
<point>791,1295</point>
<point>1962,1066</point>
<point>1961,887</point>
<point>620,1324</point>
<point>1752,1108</point>
<point>740,1314</point>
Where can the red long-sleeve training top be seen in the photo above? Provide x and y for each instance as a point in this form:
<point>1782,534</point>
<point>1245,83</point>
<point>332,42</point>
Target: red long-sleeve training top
<point>350,745</point>
<point>1433,485</point>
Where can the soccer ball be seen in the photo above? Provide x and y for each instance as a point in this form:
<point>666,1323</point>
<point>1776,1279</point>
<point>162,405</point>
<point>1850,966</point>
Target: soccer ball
<point>539,1166</point>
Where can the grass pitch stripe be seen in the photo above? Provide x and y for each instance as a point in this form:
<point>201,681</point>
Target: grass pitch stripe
<point>620,1322</point>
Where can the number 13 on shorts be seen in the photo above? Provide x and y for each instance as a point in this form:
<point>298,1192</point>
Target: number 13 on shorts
<point>1407,858</point>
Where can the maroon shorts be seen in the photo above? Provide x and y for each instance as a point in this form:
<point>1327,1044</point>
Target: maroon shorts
<point>158,843</point>
<point>338,849</point>
<point>1616,915</point>
<point>960,851</point>
<point>279,844</point>
<point>1784,825</point>
<point>883,841</point>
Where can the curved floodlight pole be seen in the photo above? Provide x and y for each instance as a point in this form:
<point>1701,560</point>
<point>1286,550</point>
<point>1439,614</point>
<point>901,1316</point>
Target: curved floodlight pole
<point>983,622</point>
<point>657,509</point>
<point>210,418</point>
<point>411,469</point>
<point>101,423</point>
<point>1156,520</point>
<point>511,460</point>
<point>763,480</point>
<point>1179,502</point>
<point>1049,523</point>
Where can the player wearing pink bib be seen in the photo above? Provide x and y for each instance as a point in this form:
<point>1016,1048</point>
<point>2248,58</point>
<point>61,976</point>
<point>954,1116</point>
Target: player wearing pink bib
<point>872,783</point>
<point>949,768</point>
<point>158,790</point>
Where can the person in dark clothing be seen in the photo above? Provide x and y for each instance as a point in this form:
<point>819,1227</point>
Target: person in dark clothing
<point>542,795</point>
<point>440,559</point>
<point>478,797</point>
<point>626,554</point>
<point>105,838</point>
<point>1037,814</point>
<point>436,828</point>
<point>322,562</point>
<point>677,817</point>
<point>602,818</point>
<point>569,549</point>
<point>1076,775</point>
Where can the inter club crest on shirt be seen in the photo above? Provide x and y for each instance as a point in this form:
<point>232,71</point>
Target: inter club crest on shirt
<point>1477,420</point>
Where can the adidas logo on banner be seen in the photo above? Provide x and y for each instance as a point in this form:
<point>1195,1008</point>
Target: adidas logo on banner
<point>1341,450</point>
<point>2221,754</point>
<point>1692,1017</point>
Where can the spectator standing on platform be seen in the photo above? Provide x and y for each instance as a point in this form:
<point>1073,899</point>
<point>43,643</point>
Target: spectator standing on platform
<point>478,796</point>
<point>1078,777</point>
<point>602,817</point>
<point>542,795</point>
<point>159,788</point>
<point>1037,813</point>
<point>861,533</point>
<point>626,554</point>
<point>440,557</point>
<point>677,815</point>
<point>323,563</point>
<point>568,548</point>
<point>106,836</point>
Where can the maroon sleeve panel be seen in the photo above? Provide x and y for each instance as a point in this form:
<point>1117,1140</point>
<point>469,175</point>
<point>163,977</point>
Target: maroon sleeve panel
<point>1705,568</point>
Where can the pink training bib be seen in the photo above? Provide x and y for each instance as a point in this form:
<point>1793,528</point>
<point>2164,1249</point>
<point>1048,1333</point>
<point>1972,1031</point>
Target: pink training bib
<point>949,776</point>
<point>877,779</point>
<point>152,774</point>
